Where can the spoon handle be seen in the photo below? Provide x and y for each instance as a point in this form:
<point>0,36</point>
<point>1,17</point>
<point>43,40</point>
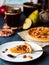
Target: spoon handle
<point>38,51</point>
<point>41,51</point>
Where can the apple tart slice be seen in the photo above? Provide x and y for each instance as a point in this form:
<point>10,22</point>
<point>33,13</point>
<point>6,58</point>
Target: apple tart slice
<point>25,48</point>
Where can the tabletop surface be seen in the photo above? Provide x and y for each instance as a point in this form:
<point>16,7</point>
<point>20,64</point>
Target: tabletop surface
<point>43,60</point>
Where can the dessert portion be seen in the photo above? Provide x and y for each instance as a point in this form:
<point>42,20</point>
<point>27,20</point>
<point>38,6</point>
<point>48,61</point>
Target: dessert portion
<point>6,32</point>
<point>25,48</point>
<point>39,34</point>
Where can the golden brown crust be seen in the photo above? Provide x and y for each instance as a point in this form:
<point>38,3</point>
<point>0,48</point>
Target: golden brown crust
<point>39,35</point>
<point>6,32</point>
<point>25,48</point>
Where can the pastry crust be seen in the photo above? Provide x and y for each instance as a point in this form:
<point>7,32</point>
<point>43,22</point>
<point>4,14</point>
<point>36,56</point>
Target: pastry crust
<point>39,34</point>
<point>25,48</point>
<point>6,32</point>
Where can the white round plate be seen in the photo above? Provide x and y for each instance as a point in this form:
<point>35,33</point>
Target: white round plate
<point>19,58</point>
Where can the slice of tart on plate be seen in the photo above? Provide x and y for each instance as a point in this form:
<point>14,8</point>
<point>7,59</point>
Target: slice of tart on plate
<point>24,48</point>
